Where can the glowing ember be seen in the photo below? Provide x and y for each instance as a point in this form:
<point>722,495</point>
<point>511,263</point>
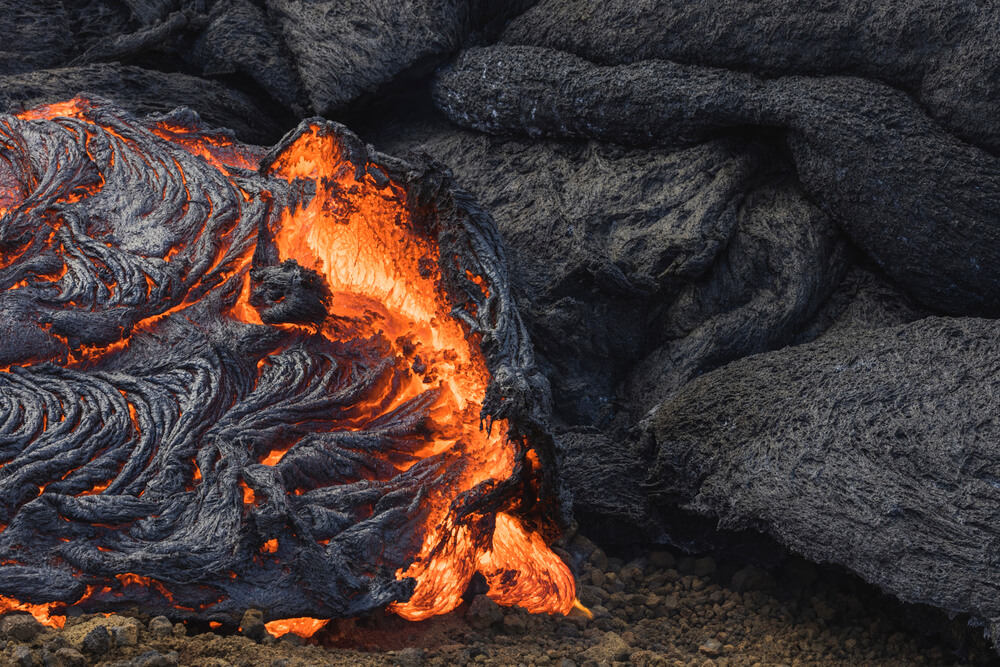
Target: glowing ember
<point>328,428</point>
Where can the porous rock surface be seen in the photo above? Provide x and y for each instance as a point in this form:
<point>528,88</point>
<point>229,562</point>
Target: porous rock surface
<point>919,201</point>
<point>296,58</point>
<point>637,270</point>
<point>875,450</point>
<point>142,91</point>
<point>943,54</point>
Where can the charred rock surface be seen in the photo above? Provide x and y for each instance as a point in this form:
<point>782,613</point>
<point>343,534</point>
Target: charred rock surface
<point>869,449</point>
<point>865,299</point>
<point>294,58</point>
<point>920,202</point>
<point>943,54</point>
<point>345,51</point>
<point>635,269</point>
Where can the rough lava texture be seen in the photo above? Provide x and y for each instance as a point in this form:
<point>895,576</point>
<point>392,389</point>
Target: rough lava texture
<point>874,450</point>
<point>945,55</point>
<point>345,51</point>
<point>142,91</point>
<point>922,203</point>
<point>295,57</point>
<point>684,188</point>
<point>137,406</point>
<point>676,260</point>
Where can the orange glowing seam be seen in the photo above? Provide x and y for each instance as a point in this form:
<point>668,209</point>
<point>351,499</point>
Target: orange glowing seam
<point>42,612</point>
<point>373,264</point>
<point>304,627</point>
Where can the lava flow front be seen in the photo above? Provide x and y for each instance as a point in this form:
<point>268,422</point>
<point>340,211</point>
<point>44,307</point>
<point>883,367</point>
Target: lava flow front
<point>288,379</point>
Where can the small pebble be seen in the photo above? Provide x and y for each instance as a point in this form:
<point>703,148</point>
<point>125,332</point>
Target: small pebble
<point>711,648</point>
<point>70,657</point>
<point>410,657</point>
<point>21,627</point>
<point>483,612</point>
<point>97,642</point>
<point>514,624</point>
<point>22,657</point>
<point>124,635</point>
<point>161,626</point>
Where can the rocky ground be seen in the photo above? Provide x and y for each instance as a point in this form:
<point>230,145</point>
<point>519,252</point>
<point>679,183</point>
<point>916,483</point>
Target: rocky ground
<point>656,608</point>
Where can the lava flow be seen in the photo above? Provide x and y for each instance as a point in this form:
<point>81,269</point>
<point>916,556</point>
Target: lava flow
<point>289,379</point>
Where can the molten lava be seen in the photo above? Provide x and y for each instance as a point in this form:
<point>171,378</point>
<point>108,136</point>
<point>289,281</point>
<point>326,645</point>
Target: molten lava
<point>344,335</point>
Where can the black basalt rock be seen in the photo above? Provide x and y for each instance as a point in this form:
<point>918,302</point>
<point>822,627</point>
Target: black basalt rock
<point>944,55</point>
<point>871,449</point>
<point>637,270</point>
<point>920,202</point>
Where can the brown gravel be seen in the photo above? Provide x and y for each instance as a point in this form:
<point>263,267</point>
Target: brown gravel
<point>656,609</point>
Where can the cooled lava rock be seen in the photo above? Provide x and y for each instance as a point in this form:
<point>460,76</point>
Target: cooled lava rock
<point>143,91</point>
<point>295,58</point>
<point>945,55</point>
<point>874,450</point>
<point>636,270</point>
<point>919,201</point>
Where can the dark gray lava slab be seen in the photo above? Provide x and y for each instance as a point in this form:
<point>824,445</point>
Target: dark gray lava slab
<point>875,450</point>
<point>923,204</point>
<point>349,49</point>
<point>945,54</point>
<point>636,270</point>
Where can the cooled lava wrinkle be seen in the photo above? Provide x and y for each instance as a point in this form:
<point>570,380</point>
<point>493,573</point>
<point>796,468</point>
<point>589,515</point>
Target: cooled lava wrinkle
<point>290,379</point>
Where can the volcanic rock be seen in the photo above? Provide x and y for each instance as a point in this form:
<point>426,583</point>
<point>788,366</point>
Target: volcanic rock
<point>20,627</point>
<point>514,623</point>
<point>70,657</point>
<point>295,58</point>
<point>711,647</point>
<point>609,649</point>
<point>161,625</point>
<point>483,612</point>
<point>97,641</point>
<point>186,216</point>
<point>680,260</point>
<point>916,199</point>
<point>125,635</point>
<point>252,624</point>
<point>344,51</point>
<point>944,54</point>
<point>22,657</point>
<point>240,38</point>
<point>821,446</point>
<point>142,91</point>
<point>865,299</point>
<point>154,659</point>
<point>410,657</point>
<point>49,33</point>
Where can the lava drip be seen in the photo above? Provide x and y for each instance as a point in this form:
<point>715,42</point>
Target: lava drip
<point>290,379</point>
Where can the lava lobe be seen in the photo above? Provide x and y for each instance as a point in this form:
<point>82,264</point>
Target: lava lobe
<point>230,377</point>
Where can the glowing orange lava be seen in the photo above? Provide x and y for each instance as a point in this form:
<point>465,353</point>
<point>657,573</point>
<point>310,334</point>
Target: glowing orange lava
<point>385,278</point>
<point>351,232</point>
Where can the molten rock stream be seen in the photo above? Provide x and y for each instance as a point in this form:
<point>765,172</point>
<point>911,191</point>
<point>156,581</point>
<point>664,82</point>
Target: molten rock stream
<point>233,377</point>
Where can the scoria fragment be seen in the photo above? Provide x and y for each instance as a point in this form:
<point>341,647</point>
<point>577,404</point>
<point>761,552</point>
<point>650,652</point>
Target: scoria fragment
<point>288,379</point>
